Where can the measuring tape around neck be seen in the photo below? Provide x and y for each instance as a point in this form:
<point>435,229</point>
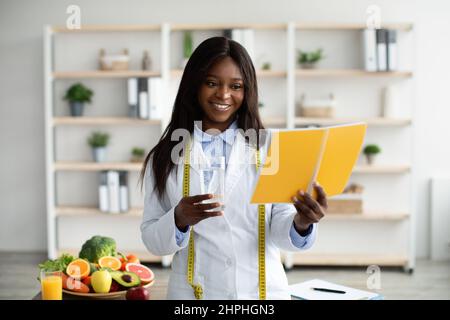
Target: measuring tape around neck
<point>198,290</point>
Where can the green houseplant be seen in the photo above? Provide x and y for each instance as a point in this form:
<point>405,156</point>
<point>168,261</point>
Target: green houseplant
<point>309,59</point>
<point>98,142</point>
<point>137,154</point>
<point>78,95</point>
<point>187,47</point>
<point>370,151</point>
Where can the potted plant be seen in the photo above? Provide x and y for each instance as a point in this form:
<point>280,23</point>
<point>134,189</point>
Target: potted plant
<point>137,154</point>
<point>98,141</point>
<point>370,151</point>
<point>266,66</point>
<point>309,60</point>
<point>77,95</point>
<point>187,47</point>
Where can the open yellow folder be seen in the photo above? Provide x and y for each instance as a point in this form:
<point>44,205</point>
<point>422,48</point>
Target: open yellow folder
<point>297,158</point>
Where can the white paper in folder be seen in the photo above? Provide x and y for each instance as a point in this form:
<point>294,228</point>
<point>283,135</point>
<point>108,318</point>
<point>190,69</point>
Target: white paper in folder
<point>305,291</point>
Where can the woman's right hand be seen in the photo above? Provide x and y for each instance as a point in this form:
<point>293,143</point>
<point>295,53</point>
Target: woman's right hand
<point>191,211</point>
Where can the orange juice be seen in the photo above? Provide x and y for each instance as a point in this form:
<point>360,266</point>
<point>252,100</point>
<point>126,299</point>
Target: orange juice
<point>51,285</point>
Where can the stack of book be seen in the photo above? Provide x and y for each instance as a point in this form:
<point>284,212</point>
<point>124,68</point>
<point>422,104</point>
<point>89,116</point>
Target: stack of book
<point>145,98</point>
<point>113,191</point>
<point>380,49</point>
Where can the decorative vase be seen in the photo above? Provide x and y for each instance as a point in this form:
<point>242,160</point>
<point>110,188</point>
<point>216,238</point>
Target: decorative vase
<point>99,154</point>
<point>309,65</point>
<point>76,109</point>
<point>370,159</point>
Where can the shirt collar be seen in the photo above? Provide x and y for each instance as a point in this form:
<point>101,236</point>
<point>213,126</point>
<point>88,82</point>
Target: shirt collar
<point>228,135</point>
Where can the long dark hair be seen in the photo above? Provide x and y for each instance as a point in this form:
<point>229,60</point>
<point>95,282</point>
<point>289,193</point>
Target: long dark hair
<point>187,109</point>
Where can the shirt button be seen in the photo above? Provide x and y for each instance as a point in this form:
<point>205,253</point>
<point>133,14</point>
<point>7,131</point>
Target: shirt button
<point>229,262</point>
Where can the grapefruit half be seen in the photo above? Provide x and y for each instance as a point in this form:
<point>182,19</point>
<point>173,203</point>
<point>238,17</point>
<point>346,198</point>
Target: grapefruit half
<point>145,274</point>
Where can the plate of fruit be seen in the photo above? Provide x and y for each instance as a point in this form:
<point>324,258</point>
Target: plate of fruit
<point>99,272</point>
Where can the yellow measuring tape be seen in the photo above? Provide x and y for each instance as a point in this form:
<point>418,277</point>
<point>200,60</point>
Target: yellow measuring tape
<point>198,290</point>
<point>261,242</point>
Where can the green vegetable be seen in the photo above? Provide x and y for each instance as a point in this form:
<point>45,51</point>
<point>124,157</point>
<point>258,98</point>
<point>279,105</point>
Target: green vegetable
<point>97,247</point>
<point>59,264</point>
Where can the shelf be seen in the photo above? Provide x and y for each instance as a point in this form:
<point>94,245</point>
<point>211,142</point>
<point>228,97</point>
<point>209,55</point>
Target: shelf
<point>72,211</point>
<point>332,259</point>
<point>58,121</point>
<point>142,255</point>
<point>378,216</point>
<point>108,28</point>
<point>224,26</point>
<point>350,73</point>
<point>273,121</point>
<point>97,166</point>
<point>259,73</point>
<point>351,26</point>
<point>378,122</point>
<point>104,74</point>
<point>377,169</point>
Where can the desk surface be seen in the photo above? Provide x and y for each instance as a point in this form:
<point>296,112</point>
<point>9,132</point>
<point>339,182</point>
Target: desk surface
<point>158,291</point>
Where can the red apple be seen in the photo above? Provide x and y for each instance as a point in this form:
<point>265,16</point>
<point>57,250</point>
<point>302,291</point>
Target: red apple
<point>137,293</point>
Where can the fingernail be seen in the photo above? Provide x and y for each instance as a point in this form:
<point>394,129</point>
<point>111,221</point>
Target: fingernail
<point>302,193</point>
<point>294,199</point>
<point>317,183</point>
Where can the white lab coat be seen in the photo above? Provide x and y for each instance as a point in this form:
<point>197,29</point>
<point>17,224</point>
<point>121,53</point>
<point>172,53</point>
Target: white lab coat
<point>226,247</point>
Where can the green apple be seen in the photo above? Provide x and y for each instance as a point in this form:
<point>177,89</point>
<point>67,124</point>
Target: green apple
<point>101,281</point>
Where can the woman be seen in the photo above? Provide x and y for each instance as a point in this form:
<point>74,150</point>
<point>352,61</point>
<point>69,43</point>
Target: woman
<point>219,89</point>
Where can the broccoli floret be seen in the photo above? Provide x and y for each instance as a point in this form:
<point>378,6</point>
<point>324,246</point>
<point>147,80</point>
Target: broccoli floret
<point>98,247</point>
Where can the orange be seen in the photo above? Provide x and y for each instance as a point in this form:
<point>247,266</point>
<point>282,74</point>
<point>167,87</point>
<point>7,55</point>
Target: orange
<point>78,269</point>
<point>110,262</point>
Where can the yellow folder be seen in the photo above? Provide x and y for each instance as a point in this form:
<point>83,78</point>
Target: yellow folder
<point>297,158</point>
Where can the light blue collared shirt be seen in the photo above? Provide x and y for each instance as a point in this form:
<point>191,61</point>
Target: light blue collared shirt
<point>220,145</point>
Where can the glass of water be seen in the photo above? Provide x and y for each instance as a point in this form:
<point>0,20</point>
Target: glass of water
<point>212,178</point>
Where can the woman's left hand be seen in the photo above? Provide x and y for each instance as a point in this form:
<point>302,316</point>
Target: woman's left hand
<point>309,211</point>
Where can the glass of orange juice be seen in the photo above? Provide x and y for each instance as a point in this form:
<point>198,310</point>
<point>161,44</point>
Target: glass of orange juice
<point>51,285</point>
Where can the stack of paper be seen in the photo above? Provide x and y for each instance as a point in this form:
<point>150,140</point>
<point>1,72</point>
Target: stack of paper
<point>305,291</point>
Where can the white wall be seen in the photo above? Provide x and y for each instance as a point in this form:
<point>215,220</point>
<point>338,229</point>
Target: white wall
<point>22,178</point>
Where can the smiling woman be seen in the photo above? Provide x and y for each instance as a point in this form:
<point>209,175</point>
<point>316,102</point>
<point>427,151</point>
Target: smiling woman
<point>220,253</point>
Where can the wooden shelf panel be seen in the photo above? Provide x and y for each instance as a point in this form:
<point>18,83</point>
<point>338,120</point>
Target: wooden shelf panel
<point>379,122</point>
<point>378,216</point>
<point>57,121</point>
<point>350,26</point>
<point>142,255</point>
<point>224,26</point>
<point>97,166</point>
<point>108,28</point>
<point>316,259</point>
<point>274,121</point>
<point>104,74</point>
<point>380,169</point>
<point>259,73</point>
<point>350,73</point>
<point>68,211</point>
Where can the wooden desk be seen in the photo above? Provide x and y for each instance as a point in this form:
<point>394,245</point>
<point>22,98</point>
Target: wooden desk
<point>158,291</point>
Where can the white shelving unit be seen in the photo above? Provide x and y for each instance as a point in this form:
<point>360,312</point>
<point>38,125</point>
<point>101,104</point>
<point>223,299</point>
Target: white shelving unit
<point>280,87</point>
